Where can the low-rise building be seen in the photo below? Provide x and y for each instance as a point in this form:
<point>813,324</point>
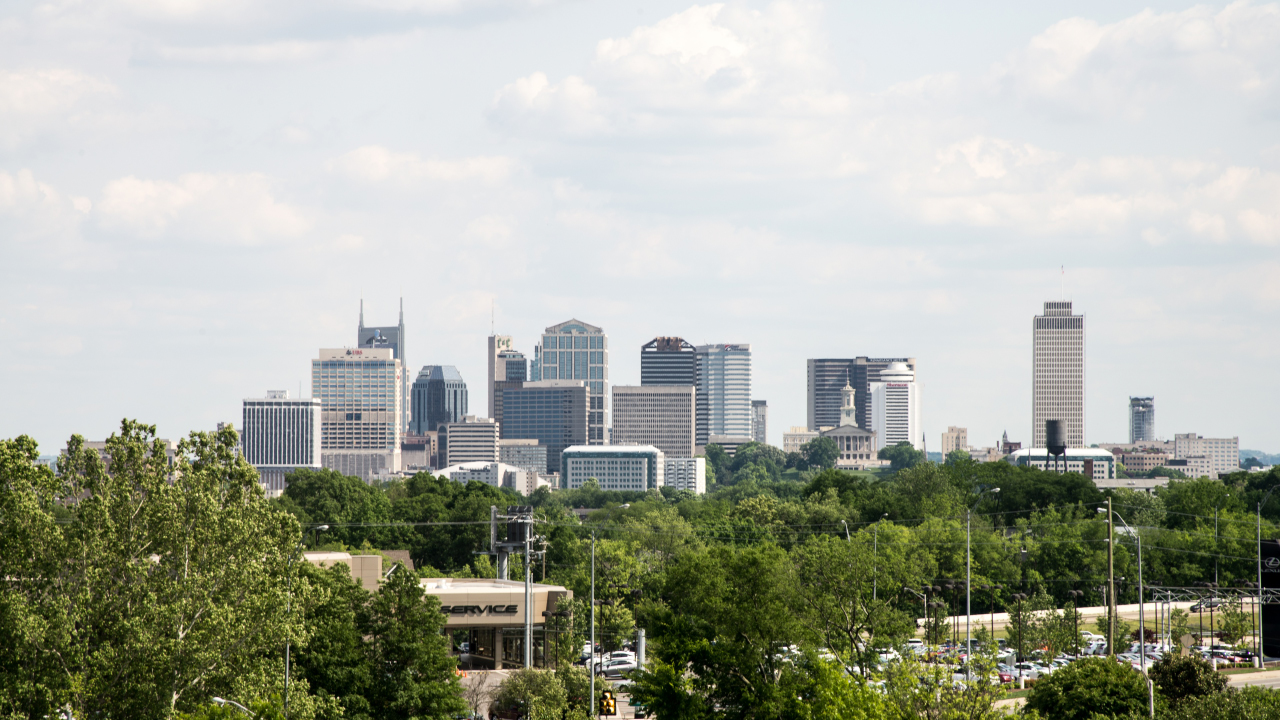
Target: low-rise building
<point>523,453</point>
<point>857,447</point>
<point>1143,462</point>
<point>1194,466</point>
<point>1094,463</point>
<point>614,467</point>
<point>1224,453</point>
<point>495,474</point>
<point>685,474</point>
<point>796,437</point>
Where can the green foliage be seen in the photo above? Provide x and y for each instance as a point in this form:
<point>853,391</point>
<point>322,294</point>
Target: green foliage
<point>955,457</point>
<point>1179,678</point>
<point>820,452</point>
<point>538,694</point>
<point>1089,687</point>
<point>1250,703</point>
<point>915,690</point>
<point>150,588</point>
<point>1234,622</point>
<point>901,456</point>
<point>412,673</point>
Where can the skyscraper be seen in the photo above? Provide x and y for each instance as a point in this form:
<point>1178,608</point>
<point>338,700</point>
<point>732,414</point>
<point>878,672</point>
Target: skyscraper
<point>724,391</point>
<point>760,421</point>
<point>389,336</point>
<point>553,412</point>
<point>279,435</point>
<point>504,362</point>
<point>439,396</point>
<point>895,407</point>
<point>826,378</point>
<point>361,409</point>
<point>1058,373</point>
<point>663,416</point>
<point>1142,419</point>
<point>668,361</point>
<point>574,350</point>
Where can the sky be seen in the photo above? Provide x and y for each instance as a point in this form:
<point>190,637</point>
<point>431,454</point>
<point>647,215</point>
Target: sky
<point>196,194</point>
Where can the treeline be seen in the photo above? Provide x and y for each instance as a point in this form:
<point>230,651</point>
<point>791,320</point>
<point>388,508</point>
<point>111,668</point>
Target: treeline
<point>148,590</point>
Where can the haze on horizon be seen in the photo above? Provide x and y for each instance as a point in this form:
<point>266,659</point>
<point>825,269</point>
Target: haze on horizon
<point>195,196</point>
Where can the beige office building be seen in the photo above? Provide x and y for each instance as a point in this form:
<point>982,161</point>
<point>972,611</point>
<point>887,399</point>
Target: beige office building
<point>1223,453</point>
<point>659,415</point>
<point>475,439</point>
<point>795,438</point>
<point>1058,373</point>
<point>955,438</point>
<point>361,410</point>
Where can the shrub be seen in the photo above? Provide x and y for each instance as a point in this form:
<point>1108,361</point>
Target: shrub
<point>1178,678</point>
<point>1088,687</point>
<point>1246,704</point>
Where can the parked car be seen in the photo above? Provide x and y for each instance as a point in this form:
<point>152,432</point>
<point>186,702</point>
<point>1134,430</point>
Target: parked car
<point>1204,605</point>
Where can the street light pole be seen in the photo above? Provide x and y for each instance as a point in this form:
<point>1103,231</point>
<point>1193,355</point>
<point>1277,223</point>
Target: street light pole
<point>1142,621</point>
<point>592,661</point>
<point>968,579</point>
<point>1111,582</point>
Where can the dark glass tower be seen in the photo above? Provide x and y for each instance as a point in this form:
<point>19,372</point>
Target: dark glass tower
<point>668,361</point>
<point>439,397</point>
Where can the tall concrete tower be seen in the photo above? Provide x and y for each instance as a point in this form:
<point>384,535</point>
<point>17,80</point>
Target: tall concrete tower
<point>1058,374</point>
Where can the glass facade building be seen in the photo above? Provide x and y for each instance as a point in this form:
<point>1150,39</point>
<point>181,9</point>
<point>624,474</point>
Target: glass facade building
<point>439,397</point>
<point>553,412</point>
<point>361,409</point>
<point>574,350</point>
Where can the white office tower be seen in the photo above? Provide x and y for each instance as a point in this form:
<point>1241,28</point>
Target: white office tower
<point>1142,419</point>
<point>279,435</point>
<point>1058,374</point>
<point>685,474</point>
<point>724,391</point>
<point>361,411</point>
<point>895,407</point>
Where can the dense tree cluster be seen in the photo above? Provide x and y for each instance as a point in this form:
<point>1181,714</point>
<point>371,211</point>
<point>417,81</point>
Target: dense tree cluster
<point>142,589</point>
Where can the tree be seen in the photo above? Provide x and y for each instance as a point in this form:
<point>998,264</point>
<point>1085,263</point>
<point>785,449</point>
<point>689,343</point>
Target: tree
<point>955,457</point>
<point>1234,704</point>
<point>820,452</point>
<point>1178,678</point>
<point>536,694</point>
<point>142,590</point>
<point>901,456</point>
<point>328,496</point>
<point>413,675</point>
<point>334,659</point>
<point>914,690</point>
<point>1235,623</point>
<point>833,580</point>
<point>1087,688</point>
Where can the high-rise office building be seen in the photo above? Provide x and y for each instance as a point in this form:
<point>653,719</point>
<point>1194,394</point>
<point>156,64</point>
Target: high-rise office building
<point>1058,373</point>
<point>1142,419</point>
<point>668,361</point>
<point>658,415</point>
<point>574,350</point>
<point>553,412</point>
<point>724,391</point>
<point>439,396</point>
<point>506,364</point>
<point>826,378</point>
<point>895,407</point>
<point>471,439</point>
<point>361,409</point>
<point>389,337</point>
<point>955,438</point>
<point>760,421</point>
<point>279,435</point>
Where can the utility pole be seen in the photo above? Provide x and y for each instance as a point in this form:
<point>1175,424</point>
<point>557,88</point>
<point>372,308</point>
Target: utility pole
<point>528,594</point>
<point>1111,581</point>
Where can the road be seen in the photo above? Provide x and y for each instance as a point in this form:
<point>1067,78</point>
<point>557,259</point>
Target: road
<point>1088,617</point>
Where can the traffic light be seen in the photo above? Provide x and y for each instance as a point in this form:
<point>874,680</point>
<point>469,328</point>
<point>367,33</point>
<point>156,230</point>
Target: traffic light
<point>608,706</point>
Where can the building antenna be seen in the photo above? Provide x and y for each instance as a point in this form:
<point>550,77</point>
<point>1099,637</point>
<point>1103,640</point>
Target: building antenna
<point>1062,289</point>
<point>492,305</point>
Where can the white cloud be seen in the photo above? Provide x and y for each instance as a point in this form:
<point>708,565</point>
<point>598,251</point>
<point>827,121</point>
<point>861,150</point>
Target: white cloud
<point>32,100</point>
<point>236,209</point>
<point>374,163</point>
<point>1080,67</point>
<point>720,72</point>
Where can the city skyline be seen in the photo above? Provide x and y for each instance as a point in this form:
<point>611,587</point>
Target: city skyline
<point>192,203</point>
